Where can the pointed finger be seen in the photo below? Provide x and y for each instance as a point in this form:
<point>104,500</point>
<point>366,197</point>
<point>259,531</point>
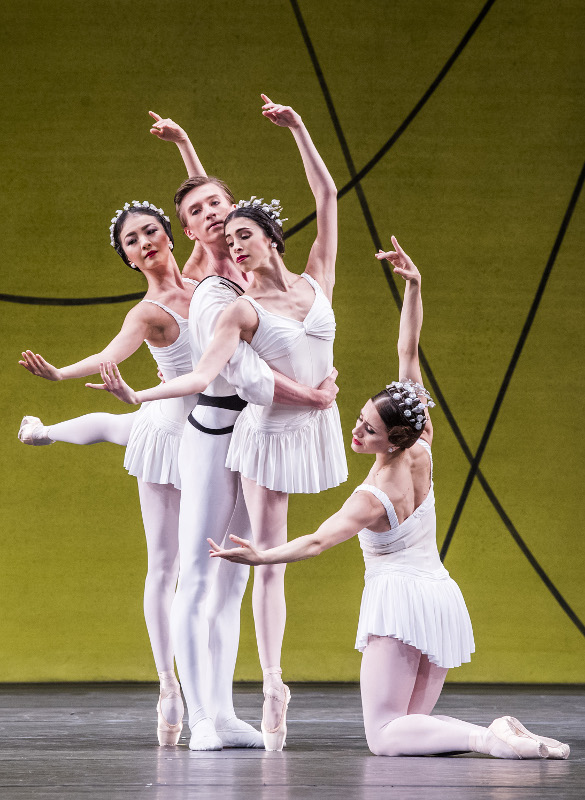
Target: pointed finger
<point>155,116</point>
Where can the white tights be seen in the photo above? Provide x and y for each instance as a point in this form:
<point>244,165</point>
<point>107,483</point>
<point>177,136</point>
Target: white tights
<point>93,428</point>
<point>159,504</point>
<point>205,617</point>
<point>400,688</point>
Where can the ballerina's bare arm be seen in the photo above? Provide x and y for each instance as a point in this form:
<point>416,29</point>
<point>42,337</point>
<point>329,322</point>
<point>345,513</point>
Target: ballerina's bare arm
<point>236,321</point>
<point>359,511</point>
<point>134,330</point>
<point>321,263</point>
<point>411,318</point>
<point>169,131</point>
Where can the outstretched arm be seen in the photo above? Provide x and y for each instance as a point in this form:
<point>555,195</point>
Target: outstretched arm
<point>321,263</point>
<point>232,323</point>
<point>358,512</point>
<point>169,131</point>
<point>411,319</point>
<point>132,334</point>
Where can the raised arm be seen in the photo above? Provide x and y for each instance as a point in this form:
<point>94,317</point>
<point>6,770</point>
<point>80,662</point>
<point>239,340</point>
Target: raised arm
<point>359,511</point>
<point>411,319</point>
<point>321,263</point>
<point>132,334</point>
<point>169,131</point>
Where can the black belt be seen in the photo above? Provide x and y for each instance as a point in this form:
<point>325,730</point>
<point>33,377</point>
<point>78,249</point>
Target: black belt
<point>231,402</point>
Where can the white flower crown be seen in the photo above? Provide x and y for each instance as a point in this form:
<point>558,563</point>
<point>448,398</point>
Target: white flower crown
<point>273,209</point>
<point>407,396</point>
<point>135,204</point>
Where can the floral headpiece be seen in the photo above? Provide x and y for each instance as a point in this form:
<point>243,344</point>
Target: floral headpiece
<point>134,204</point>
<point>407,394</point>
<point>273,209</point>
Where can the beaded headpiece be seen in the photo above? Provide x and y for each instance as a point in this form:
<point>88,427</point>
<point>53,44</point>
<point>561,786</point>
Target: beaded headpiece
<point>273,209</point>
<point>133,204</point>
<point>406,394</point>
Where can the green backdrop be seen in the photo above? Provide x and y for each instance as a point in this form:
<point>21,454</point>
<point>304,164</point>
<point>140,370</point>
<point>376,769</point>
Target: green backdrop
<point>475,187</point>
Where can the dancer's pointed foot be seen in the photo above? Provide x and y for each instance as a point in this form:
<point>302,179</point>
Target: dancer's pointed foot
<point>503,742</point>
<point>556,749</point>
<point>204,736</point>
<point>235,732</point>
<point>32,431</point>
<point>170,711</point>
<point>276,700</point>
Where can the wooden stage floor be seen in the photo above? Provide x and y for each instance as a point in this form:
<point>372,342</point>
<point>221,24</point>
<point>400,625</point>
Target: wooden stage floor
<point>99,741</point>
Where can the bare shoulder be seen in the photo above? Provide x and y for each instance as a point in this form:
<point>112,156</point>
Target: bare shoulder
<point>364,508</point>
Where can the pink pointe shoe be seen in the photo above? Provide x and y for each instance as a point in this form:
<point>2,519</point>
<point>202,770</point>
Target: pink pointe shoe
<point>522,746</point>
<point>275,738</point>
<point>556,749</point>
<point>32,431</point>
<point>167,732</point>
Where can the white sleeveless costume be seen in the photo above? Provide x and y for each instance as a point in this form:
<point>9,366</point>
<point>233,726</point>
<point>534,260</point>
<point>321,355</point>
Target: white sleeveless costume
<point>408,593</point>
<point>290,449</point>
<point>153,446</point>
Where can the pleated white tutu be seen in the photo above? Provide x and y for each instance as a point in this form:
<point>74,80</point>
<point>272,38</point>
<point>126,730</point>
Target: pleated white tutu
<point>425,610</point>
<point>153,447</point>
<point>301,454</point>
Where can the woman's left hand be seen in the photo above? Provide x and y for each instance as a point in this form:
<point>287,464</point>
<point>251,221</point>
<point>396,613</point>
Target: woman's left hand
<point>403,264</point>
<point>284,116</point>
<point>245,554</point>
<point>114,383</point>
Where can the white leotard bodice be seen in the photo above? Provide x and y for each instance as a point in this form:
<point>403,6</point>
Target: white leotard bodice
<point>174,360</point>
<point>301,350</point>
<point>410,546</point>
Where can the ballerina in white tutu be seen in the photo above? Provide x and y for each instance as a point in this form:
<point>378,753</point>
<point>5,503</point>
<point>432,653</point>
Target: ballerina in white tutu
<point>413,624</point>
<point>141,235</point>
<point>287,318</point>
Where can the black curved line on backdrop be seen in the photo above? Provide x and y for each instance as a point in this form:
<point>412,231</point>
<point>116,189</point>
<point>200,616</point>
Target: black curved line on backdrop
<point>355,176</point>
<point>69,301</point>
<point>423,360</point>
<point>513,361</point>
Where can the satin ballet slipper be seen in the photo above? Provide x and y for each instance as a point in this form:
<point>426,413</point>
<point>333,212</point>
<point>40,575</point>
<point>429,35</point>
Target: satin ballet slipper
<point>32,431</point>
<point>522,746</point>
<point>556,749</point>
<point>275,738</point>
<point>168,733</point>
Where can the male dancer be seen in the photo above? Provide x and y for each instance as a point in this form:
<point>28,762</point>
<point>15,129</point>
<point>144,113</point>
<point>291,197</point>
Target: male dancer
<point>205,613</point>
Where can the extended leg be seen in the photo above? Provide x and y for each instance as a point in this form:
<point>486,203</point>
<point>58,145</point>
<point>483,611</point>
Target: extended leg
<point>93,428</point>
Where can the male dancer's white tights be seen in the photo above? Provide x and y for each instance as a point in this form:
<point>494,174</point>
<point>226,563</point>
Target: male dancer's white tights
<point>159,504</point>
<point>400,688</point>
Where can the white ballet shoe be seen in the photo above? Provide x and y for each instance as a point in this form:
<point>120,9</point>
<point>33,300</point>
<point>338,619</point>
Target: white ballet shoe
<point>235,732</point>
<point>168,733</point>
<point>204,736</point>
<point>275,738</point>
<point>32,431</point>
<point>556,749</point>
<point>521,746</point>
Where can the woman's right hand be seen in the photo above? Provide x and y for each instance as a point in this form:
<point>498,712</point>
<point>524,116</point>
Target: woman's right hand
<point>284,116</point>
<point>37,365</point>
<point>167,130</point>
<point>114,384</point>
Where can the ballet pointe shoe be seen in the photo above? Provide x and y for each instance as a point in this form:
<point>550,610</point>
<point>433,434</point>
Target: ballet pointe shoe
<point>522,746</point>
<point>168,733</point>
<point>275,738</point>
<point>556,749</point>
<point>32,431</point>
